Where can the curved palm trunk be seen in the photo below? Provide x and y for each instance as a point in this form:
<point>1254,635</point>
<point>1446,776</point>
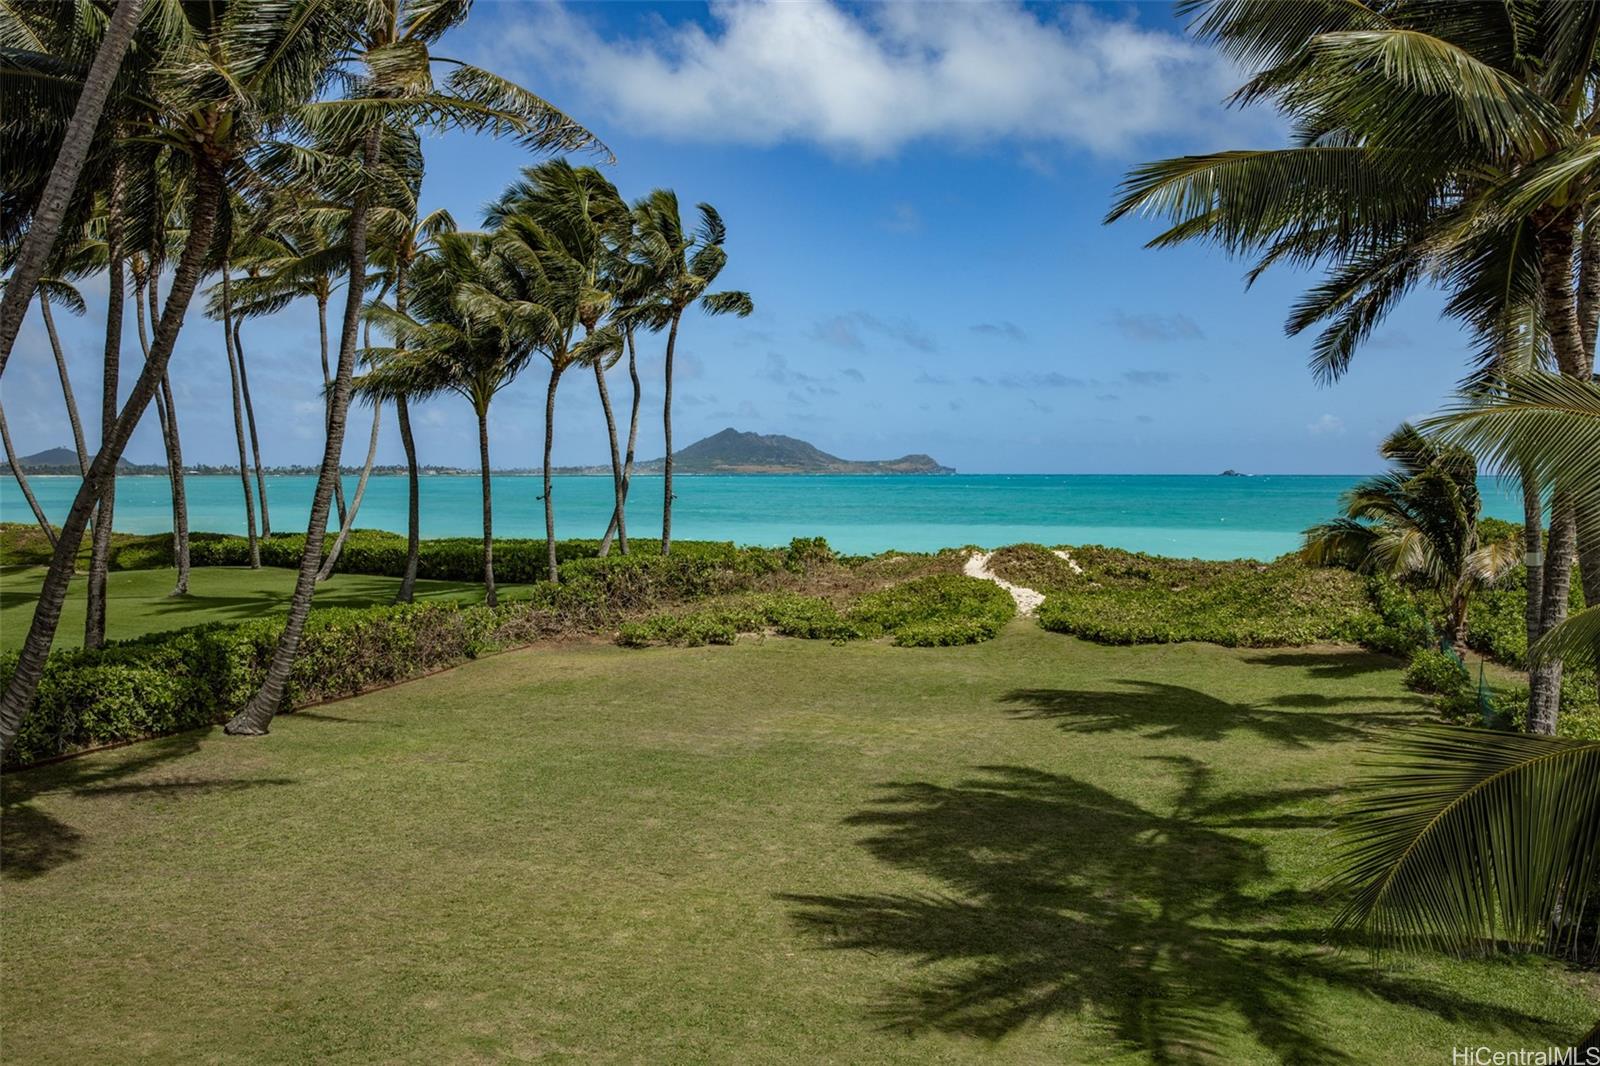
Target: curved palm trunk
<point>180,499</point>
<point>355,503</point>
<point>488,507</point>
<point>94,620</point>
<point>549,446</point>
<point>619,517</point>
<point>66,383</point>
<point>257,714</point>
<point>327,400</point>
<point>238,423</point>
<point>408,580</point>
<point>250,420</point>
<point>145,290</point>
<point>63,181</point>
<point>22,481</point>
<point>24,684</point>
<point>666,425</point>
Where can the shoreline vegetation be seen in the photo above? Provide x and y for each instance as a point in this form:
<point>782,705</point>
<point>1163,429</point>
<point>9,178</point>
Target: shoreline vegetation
<point>712,592</point>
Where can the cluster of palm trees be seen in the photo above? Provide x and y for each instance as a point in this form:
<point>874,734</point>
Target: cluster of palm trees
<point>1458,146</point>
<point>164,142</point>
<point>566,272</point>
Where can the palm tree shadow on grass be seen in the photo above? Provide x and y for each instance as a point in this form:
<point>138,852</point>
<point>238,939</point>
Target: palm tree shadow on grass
<point>1330,664</point>
<point>1161,710</point>
<point>33,841</point>
<point>1064,899</point>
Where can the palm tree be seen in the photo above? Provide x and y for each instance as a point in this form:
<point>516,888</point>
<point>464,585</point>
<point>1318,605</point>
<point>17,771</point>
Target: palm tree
<point>400,239</point>
<point>452,339</point>
<point>1432,142</point>
<point>228,74</point>
<point>1477,840</point>
<point>1418,523</point>
<point>683,265</point>
<point>145,275</point>
<point>51,206</point>
<point>569,230</point>
<point>389,68</point>
<point>229,339</point>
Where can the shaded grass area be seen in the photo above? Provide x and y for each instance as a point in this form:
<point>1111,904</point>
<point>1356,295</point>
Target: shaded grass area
<point>140,601</point>
<point>1031,850</point>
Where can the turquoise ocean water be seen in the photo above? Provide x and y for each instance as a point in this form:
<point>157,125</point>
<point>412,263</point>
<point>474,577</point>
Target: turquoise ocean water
<point>1200,516</point>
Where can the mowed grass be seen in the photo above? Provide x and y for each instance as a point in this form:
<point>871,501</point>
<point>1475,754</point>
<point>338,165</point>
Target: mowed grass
<point>1029,850</point>
<point>140,601</point>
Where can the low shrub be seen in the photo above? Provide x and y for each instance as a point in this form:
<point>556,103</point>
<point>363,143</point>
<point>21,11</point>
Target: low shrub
<point>1034,566</point>
<point>1437,672</point>
<point>1133,598</point>
<point>934,611</point>
<point>189,678</point>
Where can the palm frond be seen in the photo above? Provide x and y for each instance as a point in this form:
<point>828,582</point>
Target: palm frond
<point>1472,839</point>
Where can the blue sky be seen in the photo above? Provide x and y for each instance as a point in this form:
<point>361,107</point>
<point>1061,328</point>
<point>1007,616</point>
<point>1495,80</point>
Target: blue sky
<point>914,196</point>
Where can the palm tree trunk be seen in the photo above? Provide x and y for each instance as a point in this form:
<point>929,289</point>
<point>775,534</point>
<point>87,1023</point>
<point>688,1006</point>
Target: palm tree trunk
<point>1588,328</point>
<point>488,506</point>
<point>549,446</point>
<point>355,504</point>
<point>256,716</point>
<point>180,498</point>
<point>666,425</point>
<point>619,516</point>
<point>327,385</point>
<point>402,414</point>
<point>66,383</point>
<point>238,423</point>
<point>20,691</point>
<point>408,580</point>
<point>145,289</point>
<point>1556,247</point>
<point>250,419</point>
<point>63,181</point>
<point>616,460</point>
<point>1533,548</point>
<point>94,619</point>
<point>22,481</point>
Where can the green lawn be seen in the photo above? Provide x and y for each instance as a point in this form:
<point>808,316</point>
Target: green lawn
<point>140,601</point>
<point>1030,850</point>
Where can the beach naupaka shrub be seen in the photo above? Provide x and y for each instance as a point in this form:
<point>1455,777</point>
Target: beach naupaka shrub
<point>1132,598</point>
<point>937,610</point>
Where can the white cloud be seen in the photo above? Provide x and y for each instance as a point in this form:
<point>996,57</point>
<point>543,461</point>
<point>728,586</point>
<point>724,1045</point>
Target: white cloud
<point>867,81</point>
<point>1326,425</point>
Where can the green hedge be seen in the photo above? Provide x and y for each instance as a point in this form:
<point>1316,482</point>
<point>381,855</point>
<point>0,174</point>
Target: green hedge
<point>188,678</point>
<point>932,611</point>
<point>184,679</point>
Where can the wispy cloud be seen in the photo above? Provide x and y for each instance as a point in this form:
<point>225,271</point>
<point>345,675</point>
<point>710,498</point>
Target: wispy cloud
<point>849,331</point>
<point>869,80</point>
<point>853,374</point>
<point>926,378</point>
<point>902,218</point>
<point>1152,328</point>
<point>1326,425</point>
<point>1008,330</point>
<point>1146,378</point>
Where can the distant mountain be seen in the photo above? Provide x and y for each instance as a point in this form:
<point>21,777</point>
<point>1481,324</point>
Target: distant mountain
<point>55,461</point>
<point>735,452</point>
